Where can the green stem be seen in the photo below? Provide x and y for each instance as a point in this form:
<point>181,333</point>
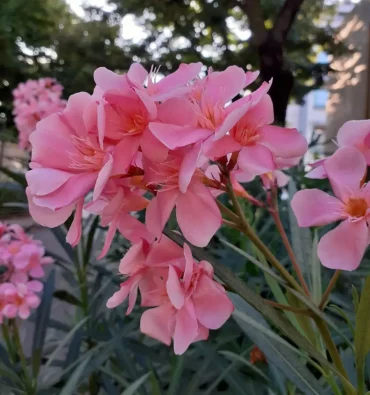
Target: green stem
<point>17,341</point>
<point>284,237</point>
<point>12,353</point>
<point>248,230</point>
<point>328,290</point>
<point>333,351</point>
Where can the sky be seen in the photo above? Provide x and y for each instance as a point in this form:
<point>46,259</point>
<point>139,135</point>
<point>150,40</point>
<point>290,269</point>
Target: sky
<point>130,30</point>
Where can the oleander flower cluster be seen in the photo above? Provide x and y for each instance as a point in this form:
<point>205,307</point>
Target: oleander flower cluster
<point>159,145</point>
<point>34,100</point>
<point>344,246</point>
<point>22,262</point>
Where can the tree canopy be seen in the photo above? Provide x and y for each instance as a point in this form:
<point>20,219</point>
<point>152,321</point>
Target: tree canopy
<point>45,38</point>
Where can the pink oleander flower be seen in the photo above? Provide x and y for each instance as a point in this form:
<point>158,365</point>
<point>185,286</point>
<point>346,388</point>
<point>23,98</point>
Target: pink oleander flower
<point>179,184</point>
<point>68,161</point>
<point>146,267</point>
<point>187,301</point>
<point>196,303</point>
<point>18,298</point>
<point>33,101</point>
<point>21,260</point>
<point>261,146</point>
<point>127,108</point>
<point>344,246</point>
<point>204,113</point>
<point>352,134</point>
<point>114,206</point>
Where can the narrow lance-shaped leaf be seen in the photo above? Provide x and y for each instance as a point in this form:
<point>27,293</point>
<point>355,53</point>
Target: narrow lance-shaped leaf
<point>362,334</point>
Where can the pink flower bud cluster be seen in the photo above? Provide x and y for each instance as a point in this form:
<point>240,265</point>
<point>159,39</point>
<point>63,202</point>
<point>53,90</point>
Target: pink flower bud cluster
<point>21,263</point>
<point>144,143</point>
<point>34,100</point>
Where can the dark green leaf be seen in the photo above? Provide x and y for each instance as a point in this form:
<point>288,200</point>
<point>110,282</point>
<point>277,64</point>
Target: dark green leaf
<point>42,322</point>
<point>74,380</point>
<point>65,296</point>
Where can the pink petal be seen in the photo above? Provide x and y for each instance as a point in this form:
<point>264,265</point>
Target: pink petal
<point>120,296</point>
<point>159,210</point>
<point>232,118</point>
<point>75,188</point>
<point>173,136</point>
<point>124,153</point>
<point>250,77</point>
<point>137,74</point>
<point>42,181</point>
<point>189,266</point>
<point>73,113</point>
<point>313,207</point>
<point>188,166</point>
<point>133,259</point>
<point>35,286</point>
<point>148,102</point>
<point>225,85</point>
<point>345,170</point>
<point>216,149</point>
<point>256,159</point>
<point>132,298</point>
<point>103,177</point>
<point>186,328</point>
<point>212,306</point>
<point>343,247</point>
<point>163,252</point>
<point>47,217</point>
<point>156,323</point>
<point>203,333</point>
<point>109,237</point>
<point>198,215</point>
<point>152,147</point>
<point>284,142</point>
<point>134,230</point>
<point>108,80</point>
<point>74,232</point>
<point>177,111</point>
<point>353,133</point>
<point>184,74</point>
<point>175,289</point>
<point>52,143</point>
<point>24,311</point>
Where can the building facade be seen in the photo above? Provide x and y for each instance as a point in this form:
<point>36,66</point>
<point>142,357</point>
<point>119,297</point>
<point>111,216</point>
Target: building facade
<point>349,85</point>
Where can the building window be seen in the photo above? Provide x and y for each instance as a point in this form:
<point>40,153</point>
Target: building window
<point>320,98</point>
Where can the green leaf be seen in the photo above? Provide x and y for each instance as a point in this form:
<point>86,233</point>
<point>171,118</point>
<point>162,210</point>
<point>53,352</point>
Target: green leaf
<point>277,350</point>
<point>65,341</point>
<point>316,272</point>
<point>155,387</point>
<point>176,375</point>
<point>131,390</point>
<point>61,234</point>
<point>235,357</point>
<point>65,296</point>
<point>17,177</point>
<point>301,239</point>
<point>74,380</point>
<point>362,334</point>
<point>355,298</point>
<point>42,322</point>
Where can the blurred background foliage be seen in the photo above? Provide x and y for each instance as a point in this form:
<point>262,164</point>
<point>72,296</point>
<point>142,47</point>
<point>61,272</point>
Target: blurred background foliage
<point>44,37</point>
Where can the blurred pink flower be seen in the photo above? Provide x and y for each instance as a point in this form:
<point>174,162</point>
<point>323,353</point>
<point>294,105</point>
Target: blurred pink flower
<point>344,246</point>
<point>21,260</point>
<point>33,101</point>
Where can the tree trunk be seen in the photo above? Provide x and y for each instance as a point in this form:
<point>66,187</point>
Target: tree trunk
<point>272,65</point>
